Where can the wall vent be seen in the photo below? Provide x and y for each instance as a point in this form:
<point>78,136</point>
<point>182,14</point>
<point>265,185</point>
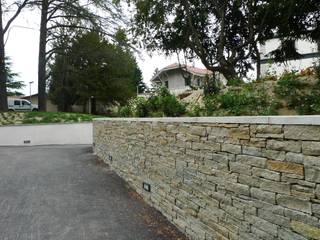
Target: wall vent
<point>146,186</point>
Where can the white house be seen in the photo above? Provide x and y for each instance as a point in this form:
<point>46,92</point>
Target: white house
<point>178,78</point>
<point>309,51</point>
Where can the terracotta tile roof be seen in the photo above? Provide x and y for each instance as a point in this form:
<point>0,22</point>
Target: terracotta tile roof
<point>190,69</point>
<point>194,70</point>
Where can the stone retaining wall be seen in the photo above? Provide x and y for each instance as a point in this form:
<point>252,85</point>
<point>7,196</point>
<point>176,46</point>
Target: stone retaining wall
<point>217,180</point>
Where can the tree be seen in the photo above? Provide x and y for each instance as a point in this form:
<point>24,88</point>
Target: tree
<point>68,15</point>
<point>223,34</point>
<point>293,20</point>
<point>138,81</point>
<point>93,67</point>
<point>219,32</point>
<point>13,86</point>
<point>121,40</point>
<point>5,7</point>
<point>62,91</point>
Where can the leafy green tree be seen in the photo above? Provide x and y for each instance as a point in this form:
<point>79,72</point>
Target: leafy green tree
<point>138,81</point>
<point>93,67</point>
<point>13,85</point>
<point>61,90</point>
<point>220,32</point>
<point>223,34</point>
<point>9,10</point>
<point>122,41</point>
<point>61,16</point>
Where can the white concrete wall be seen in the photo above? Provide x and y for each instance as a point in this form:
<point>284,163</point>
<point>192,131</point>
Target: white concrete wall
<point>175,80</point>
<point>294,65</point>
<point>51,134</point>
<point>303,47</point>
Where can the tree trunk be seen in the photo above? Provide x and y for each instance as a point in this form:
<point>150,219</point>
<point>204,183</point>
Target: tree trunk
<point>3,72</point>
<point>258,68</point>
<point>258,59</point>
<point>42,93</point>
<point>229,72</point>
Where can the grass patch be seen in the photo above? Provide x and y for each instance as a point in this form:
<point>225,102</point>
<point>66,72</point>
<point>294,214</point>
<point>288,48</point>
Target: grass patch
<point>15,118</point>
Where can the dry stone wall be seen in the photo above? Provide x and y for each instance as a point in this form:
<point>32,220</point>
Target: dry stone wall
<point>221,180</point>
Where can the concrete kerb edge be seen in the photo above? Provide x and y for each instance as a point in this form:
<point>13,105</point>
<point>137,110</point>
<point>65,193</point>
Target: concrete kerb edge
<point>44,124</point>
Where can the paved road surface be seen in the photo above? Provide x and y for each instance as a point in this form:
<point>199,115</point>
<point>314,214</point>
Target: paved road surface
<point>64,193</point>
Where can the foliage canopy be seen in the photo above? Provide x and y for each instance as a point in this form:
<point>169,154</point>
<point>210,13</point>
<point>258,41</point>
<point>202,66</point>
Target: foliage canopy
<point>93,67</point>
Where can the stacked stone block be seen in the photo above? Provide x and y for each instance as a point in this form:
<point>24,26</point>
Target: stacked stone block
<point>221,181</point>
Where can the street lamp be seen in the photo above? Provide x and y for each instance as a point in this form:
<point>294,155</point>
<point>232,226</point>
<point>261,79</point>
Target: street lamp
<point>30,83</point>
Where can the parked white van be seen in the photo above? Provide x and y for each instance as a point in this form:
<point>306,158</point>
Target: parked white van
<point>21,105</point>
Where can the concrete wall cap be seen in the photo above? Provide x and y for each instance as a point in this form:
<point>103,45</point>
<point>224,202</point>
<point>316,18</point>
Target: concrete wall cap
<point>273,120</point>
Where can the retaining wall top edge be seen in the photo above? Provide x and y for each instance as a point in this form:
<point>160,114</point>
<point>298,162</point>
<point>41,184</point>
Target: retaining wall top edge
<point>274,120</point>
<point>46,124</point>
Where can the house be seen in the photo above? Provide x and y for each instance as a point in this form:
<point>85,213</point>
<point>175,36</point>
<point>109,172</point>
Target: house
<point>34,100</point>
<point>180,78</point>
<point>309,56</point>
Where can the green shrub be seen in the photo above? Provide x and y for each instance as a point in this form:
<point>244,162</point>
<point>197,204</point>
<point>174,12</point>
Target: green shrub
<point>125,112</point>
<point>247,100</point>
<point>298,97</point>
<point>237,103</point>
<point>163,103</point>
<point>289,88</point>
<point>139,107</point>
<point>210,105</point>
<point>317,70</point>
<point>310,104</point>
<point>195,111</point>
<point>235,82</point>
<point>171,107</point>
<point>211,85</point>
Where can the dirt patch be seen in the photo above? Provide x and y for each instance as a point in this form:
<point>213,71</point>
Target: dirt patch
<point>152,218</point>
<point>155,220</point>
<point>100,163</point>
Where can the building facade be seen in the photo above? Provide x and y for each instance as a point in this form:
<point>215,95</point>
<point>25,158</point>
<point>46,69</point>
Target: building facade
<point>180,78</point>
<point>309,51</point>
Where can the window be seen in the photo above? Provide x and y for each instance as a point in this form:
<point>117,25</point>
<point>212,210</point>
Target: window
<point>198,82</point>
<point>16,102</point>
<point>166,83</point>
<point>187,81</point>
<point>25,103</point>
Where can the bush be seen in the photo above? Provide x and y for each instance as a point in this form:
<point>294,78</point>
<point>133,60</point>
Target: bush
<point>125,112</point>
<point>235,82</point>
<point>310,104</point>
<point>211,85</point>
<point>138,107</point>
<point>171,107</point>
<point>247,100</point>
<point>163,103</point>
<point>297,96</point>
<point>289,88</point>
<point>196,111</point>
<point>210,105</point>
<point>317,71</point>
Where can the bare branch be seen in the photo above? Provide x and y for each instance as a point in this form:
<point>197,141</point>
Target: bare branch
<point>18,11</point>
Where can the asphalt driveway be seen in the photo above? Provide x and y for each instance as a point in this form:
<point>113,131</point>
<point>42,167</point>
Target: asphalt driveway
<point>64,193</point>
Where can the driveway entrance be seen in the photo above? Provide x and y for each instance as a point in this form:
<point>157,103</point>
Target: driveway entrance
<point>64,193</point>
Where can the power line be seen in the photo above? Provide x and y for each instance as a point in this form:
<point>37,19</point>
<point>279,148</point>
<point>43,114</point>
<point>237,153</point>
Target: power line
<point>17,26</point>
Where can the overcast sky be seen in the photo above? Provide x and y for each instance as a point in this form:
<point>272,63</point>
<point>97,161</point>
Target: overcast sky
<point>22,48</point>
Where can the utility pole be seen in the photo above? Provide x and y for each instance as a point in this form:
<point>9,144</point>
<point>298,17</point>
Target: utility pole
<point>30,83</point>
